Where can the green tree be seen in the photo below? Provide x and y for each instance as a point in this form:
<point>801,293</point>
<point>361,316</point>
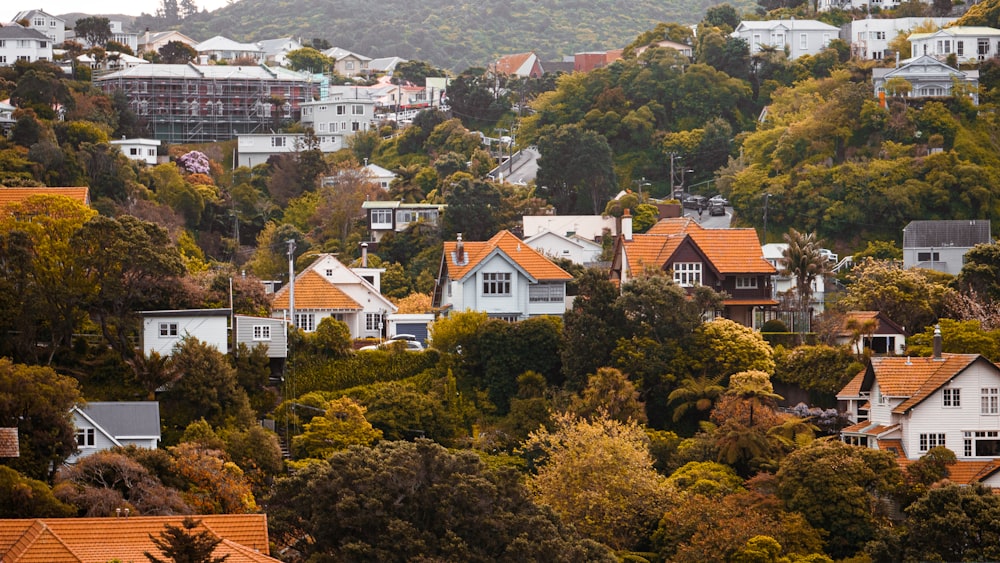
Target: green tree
<point>343,424</point>
<point>415,72</point>
<point>473,206</point>
<point>954,523</point>
<point>698,393</point>
<point>802,260</point>
<point>96,30</point>
<point>706,478</point>
<point>590,329</point>
<point>723,347</point>
<point>575,170</point>
<point>754,387</point>
<point>912,298</point>
<point>103,482</point>
<point>957,337</point>
<point>181,544</point>
<point>609,393</point>
<point>981,271</point>
<point>722,15</point>
<point>23,497</point>
<point>309,59</point>
<point>177,52</point>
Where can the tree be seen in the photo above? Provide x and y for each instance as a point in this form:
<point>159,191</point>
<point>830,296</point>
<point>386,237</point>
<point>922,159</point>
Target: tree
<point>722,15</point>
<point>957,337</point>
<point>309,59</point>
<point>954,523</point>
<point>575,170</point>
<point>590,329</point>
<point>755,388</point>
<point>404,501</point>
<point>981,271</point>
<point>180,544</point>
<point>472,95</point>
<point>706,478</point>
<point>95,29</point>
<point>802,260</point>
<point>415,72</point>
<point>723,347</point>
<point>37,401</point>
<point>474,205</point>
<point>609,393</point>
<point>598,475</point>
<point>342,425</point>
<point>23,497</point>
<point>911,298</point>
<point>177,52</point>
<point>698,393</point>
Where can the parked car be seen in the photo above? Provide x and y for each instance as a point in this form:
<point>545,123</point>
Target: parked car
<point>829,255</point>
<point>716,208</point>
<point>695,202</point>
<point>718,199</point>
<point>407,342</point>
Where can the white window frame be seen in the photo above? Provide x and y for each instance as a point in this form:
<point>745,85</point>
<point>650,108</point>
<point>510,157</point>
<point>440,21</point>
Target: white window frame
<point>687,274</point>
<point>803,41</point>
<point>746,282</point>
<point>373,321</point>
<point>952,397</point>
<point>86,438</point>
<point>261,332</point>
<point>382,217</point>
<point>989,400</point>
<point>931,440</point>
<point>168,330</point>
<point>305,321</point>
<point>496,284</point>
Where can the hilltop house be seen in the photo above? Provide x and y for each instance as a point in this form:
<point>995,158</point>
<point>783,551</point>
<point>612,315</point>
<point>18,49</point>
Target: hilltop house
<point>927,77</point>
<point>48,25</point>
<point>797,37</point>
<point>255,148</point>
<point>345,112</point>
<point>503,277</point>
<point>524,65</point>
<point>221,48</point>
<point>153,42</point>
<point>572,247</point>
<point>969,44</point>
<point>909,405</point>
<point>162,330</point>
<point>328,288</point>
<point>726,260</point>
<point>874,331</point>
<point>142,150</point>
<point>23,44</point>
<point>276,50</point>
<point>941,245</point>
<point>103,425</point>
<point>395,216</point>
<point>869,37</point>
<point>346,63</point>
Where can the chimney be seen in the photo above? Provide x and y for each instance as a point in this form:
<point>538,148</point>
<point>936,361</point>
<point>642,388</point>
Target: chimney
<point>627,225</point>
<point>364,255</point>
<point>937,342</point>
<point>459,251</point>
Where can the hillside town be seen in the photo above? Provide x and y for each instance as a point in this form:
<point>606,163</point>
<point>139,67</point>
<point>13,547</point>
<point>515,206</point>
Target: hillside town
<point>729,292</point>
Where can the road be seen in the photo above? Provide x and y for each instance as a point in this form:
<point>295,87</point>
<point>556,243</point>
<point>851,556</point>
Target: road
<point>525,168</point>
<point>709,222</point>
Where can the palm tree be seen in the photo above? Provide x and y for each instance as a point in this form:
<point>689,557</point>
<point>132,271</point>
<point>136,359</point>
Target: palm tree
<point>755,388</point>
<point>802,260</point>
<point>698,392</point>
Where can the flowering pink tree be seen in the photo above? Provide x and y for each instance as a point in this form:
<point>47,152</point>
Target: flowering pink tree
<point>194,162</point>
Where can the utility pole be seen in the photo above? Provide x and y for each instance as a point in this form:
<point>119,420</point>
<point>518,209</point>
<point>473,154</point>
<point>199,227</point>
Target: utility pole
<point>767,198</point>
<point>291,280</point>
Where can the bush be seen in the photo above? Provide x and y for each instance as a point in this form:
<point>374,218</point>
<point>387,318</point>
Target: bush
<point>774,325</point>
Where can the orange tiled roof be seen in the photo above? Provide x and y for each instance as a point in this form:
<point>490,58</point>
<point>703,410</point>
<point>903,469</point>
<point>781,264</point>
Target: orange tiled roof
<point>88,540</point>
<point>897,445</point>
<point>510,64</point>
<point>12,196</point>
<point>530,260</point>
<point>731,251</point>
<point>313,291</point>
<point>917,378</point>
<point>853,387</point>
<point>967,472</point>
<point>865,316</point>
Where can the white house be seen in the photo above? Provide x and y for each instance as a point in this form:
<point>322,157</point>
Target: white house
<point>797,37</point>
<point>385,65</point>
<point>104,425</point>
<point>7,120</point>
<point>870,37</point>
<point>681,48</point>
<point>162,330</point>
<point>590,227</point>
<point>774,253</point>
<point>345,112</point>
<point>395,216</point>
<point>873,331</point>
<point>328,288</point>
<point>576,249</point>
<point>927,77</point>
<point>51,26</point>
<point>153,42</point>
<point>255,148</point>
<point>941,245</point>
<point>143,150</point>
<point>908,405</point>
<point>23,44</point>
<point>503,277</point>
<point>221,48</point>
<point>969,44</point>
<point>346,63</point>
<point>381,176</point>
<point>119,35</point>
<point>262,331</point>
<point>276,50</point>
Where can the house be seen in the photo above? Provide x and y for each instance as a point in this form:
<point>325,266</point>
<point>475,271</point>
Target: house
<point>143,150</point>
<point>162,330</point>
<point>345,112</point>
<point>969,44</point>
<point>726,260</point>
<point>874,331</point>
<point>667,44</point>
<point>346,63</point>
<point>255,148</point>
<point>113,60</point>
<point>866,5</point>
<point>51,26</point>
<point>244,538</point>
<point>118,35</point>
<point>503,277</point>
<point>328,288</point>
<point>941,245</point>
<point>869,37</point>
<point>588,61</point>
<point>525,65</point>
<point>12,196</point>
<point>188,103</point>
<point>908,405</point>
<point>103,425</point>
<point>7,120</point>
<point>927,77</point>
<point>589,227</point>
<point>796,37</point>
<point>576,249</point>
<point>221,48</point>
<point>23,44</point>
<point>774,253</point>
<point>276,50</point>
<point>380,176</point>
<point>153,42</point>
<point>262,331</point>
<point>395,216</point>
<point>385,65</point>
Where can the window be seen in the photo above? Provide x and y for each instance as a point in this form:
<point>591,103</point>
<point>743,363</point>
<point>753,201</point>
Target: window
<point>803,41</point>
<point>40,22</point>
<point>687,274</point>
<point>85,437</point>
<point>329,272</point>
<point>277,141</point>
<point>349,65</point>
<point>3,58</point>
<point>982,443</point>
<point>960,48</point>
<point>355,126</point>
<point>928,441</point>
<point>305,321</point>
<point>261,332</point>
<point>990,400</point>
<point>168,329</point>
<point>547,293</point>
<point>52,23</point>
<point>341,110</point>
<point>928,257</point>
<point>952,397</point>
<point>381,217</point>
<point>134,151</point>
<point>496,283</point>
<point>357,109</point>
<point>373,321</point>
<point>746,282</point>
<point>880,35</point>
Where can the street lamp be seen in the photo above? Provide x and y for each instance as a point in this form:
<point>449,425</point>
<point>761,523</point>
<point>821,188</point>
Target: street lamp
<point>641,183</point>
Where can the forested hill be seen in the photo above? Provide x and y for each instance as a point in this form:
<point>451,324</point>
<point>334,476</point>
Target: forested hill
<point>453,34</point>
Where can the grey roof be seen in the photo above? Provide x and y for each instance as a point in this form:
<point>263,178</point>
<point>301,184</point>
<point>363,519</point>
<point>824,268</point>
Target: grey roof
<point>187,313</point>
<point>18,32</point>
<point>126,418</point>
<point>25,14</point>
<point>218,72</point>
<point>964,233</point>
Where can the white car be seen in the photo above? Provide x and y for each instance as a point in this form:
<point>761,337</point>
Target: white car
<point>829,255</point>
<point>408,342</point>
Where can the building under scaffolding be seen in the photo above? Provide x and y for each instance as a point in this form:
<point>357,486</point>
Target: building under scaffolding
<point>194,104</point>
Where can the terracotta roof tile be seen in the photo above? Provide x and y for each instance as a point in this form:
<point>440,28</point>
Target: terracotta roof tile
<point>917,378</point>
<point>731,251</point>
<point>853,387</point>
<point>12,196</point>
<point>510,64</point>
<point>313,291</point>
<point>530,260</point>
<point>86,540</point>
<point>965,472</point>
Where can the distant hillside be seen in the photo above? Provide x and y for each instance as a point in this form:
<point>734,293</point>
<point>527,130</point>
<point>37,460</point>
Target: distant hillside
<point>454,34</point>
